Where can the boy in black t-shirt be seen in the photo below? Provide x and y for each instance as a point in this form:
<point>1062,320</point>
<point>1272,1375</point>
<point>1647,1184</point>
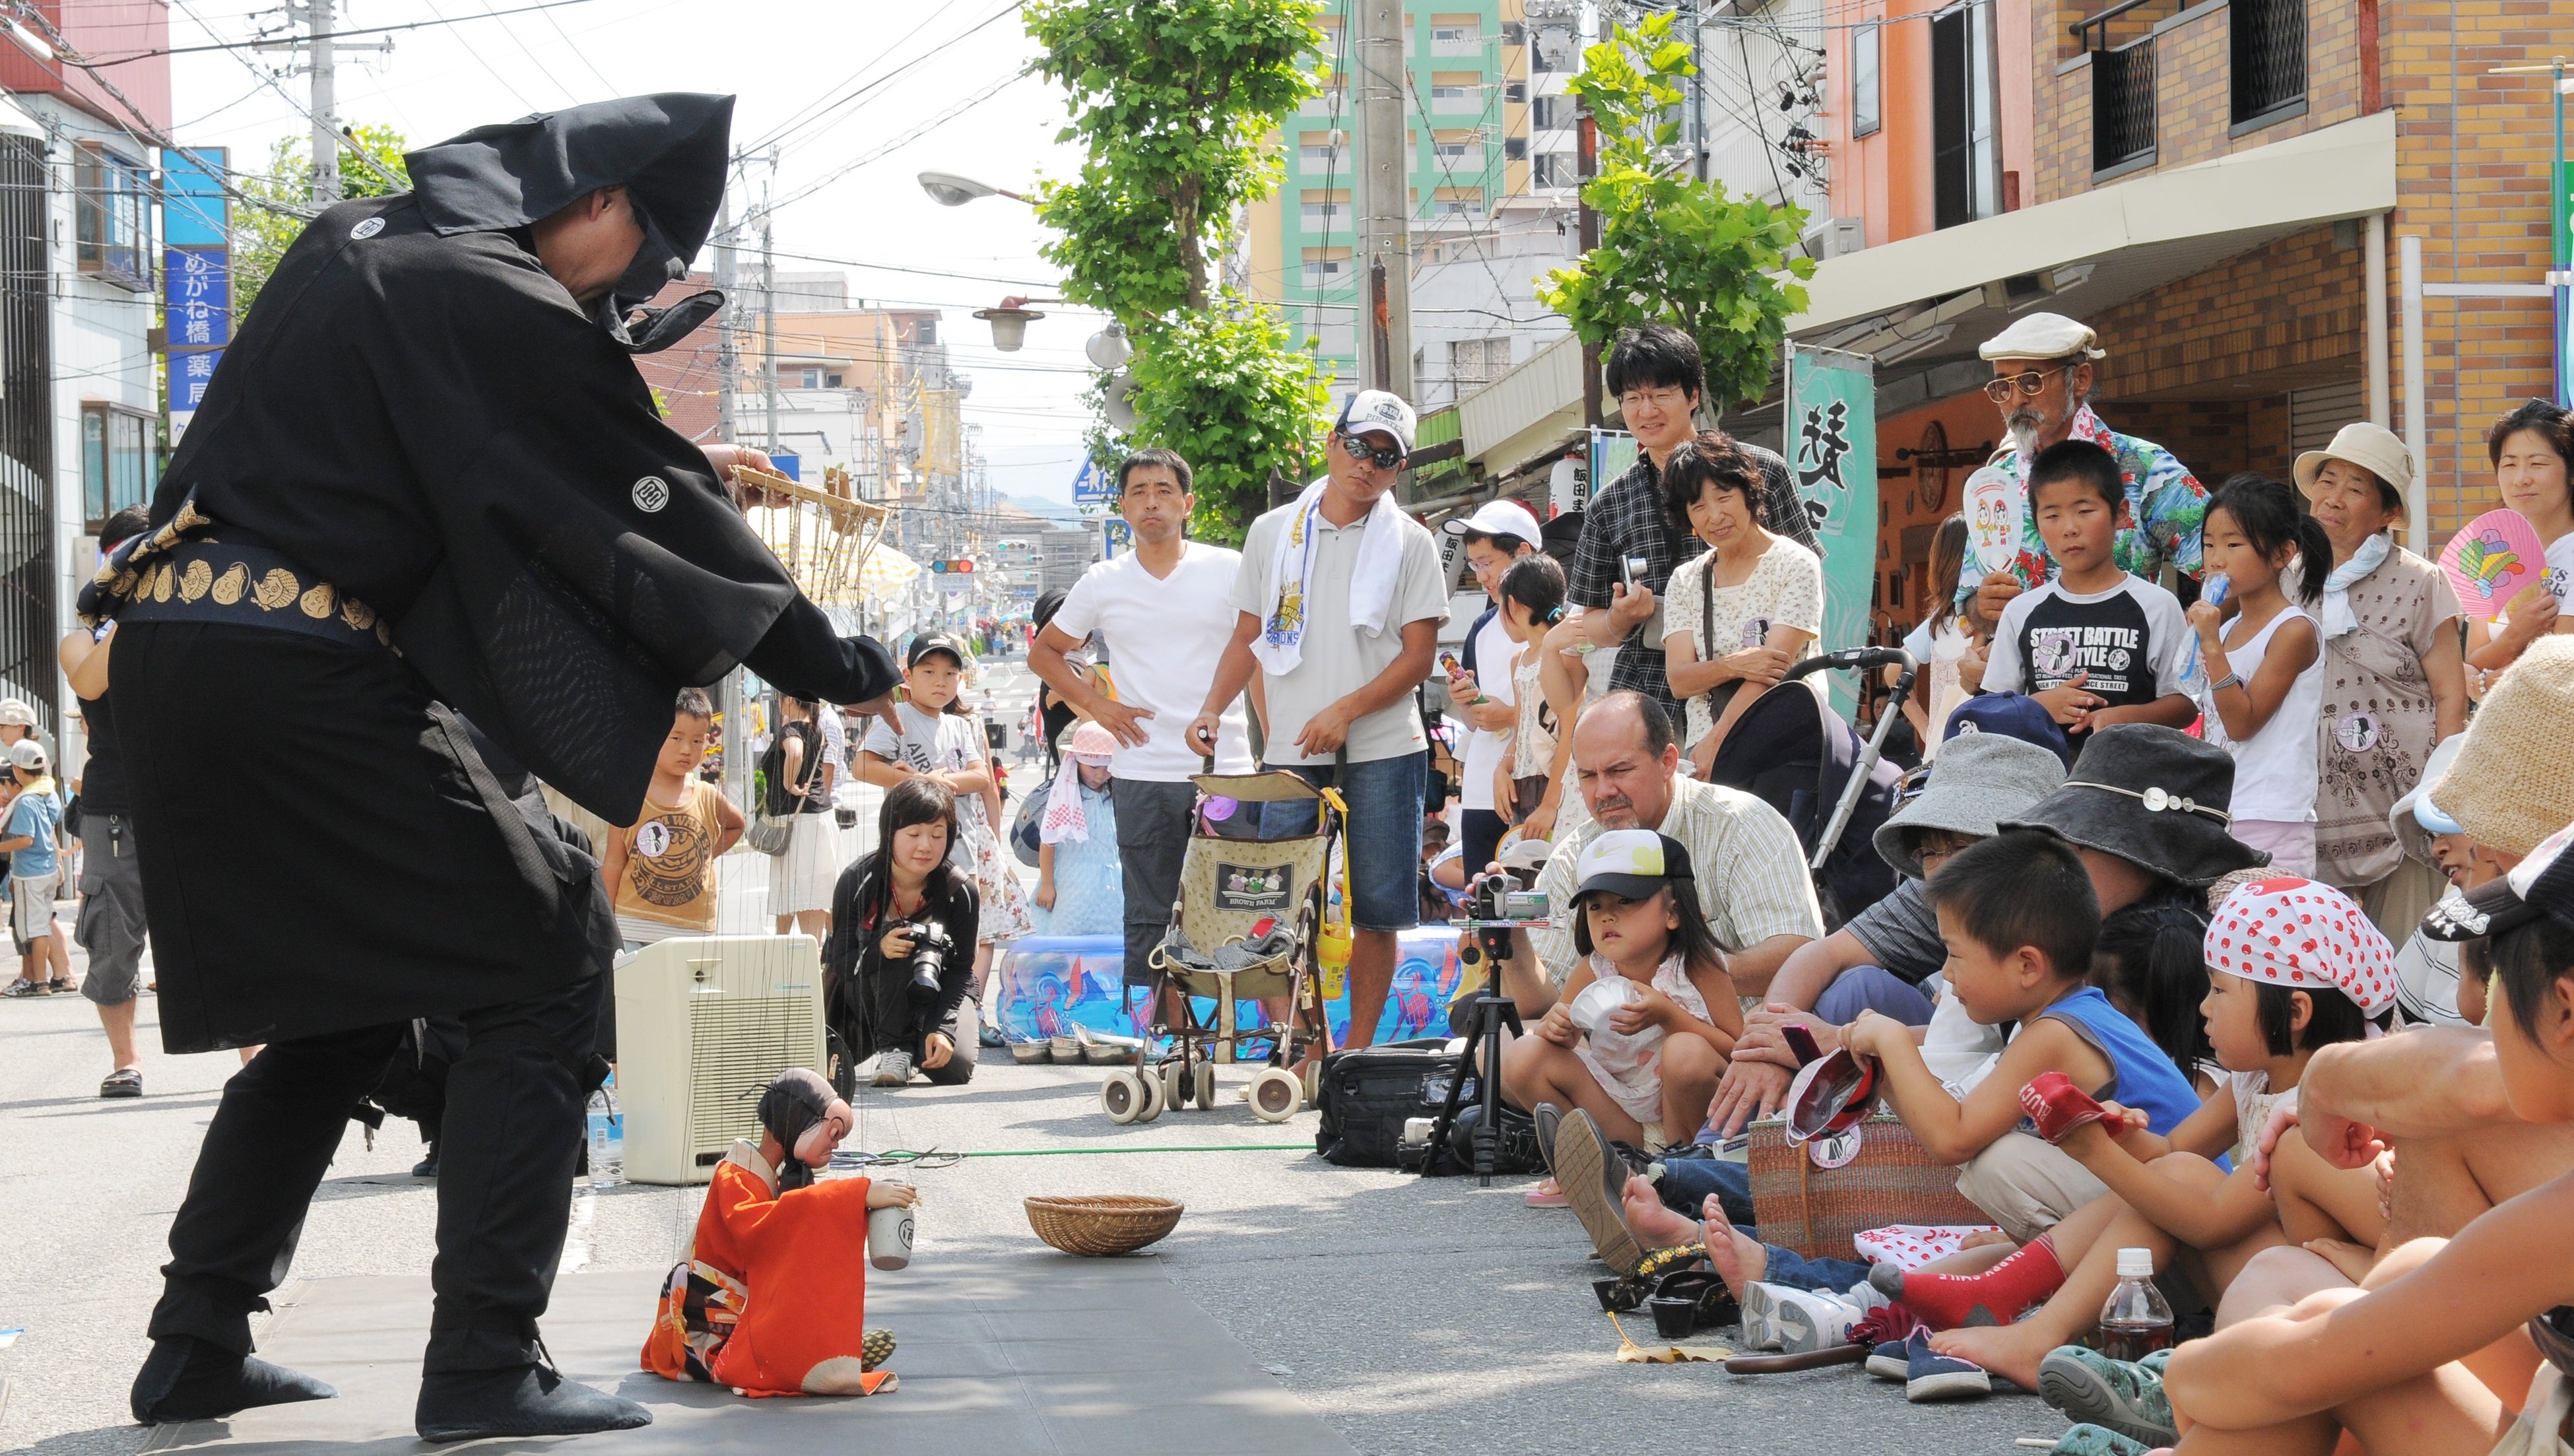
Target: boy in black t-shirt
<point>2096,646</point>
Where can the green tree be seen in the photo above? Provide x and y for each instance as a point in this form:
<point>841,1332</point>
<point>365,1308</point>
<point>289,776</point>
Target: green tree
<point>1673,249</point>
<point>1174,103</point>
<point>261,236</point>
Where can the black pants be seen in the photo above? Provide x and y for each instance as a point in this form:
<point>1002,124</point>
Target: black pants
<point>510,1133</point>
<point>896,1022</point>
<point>1483,830</point>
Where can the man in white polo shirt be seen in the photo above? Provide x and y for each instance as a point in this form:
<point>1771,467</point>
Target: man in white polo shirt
<point>1338,608</point>
<point>1164,612</point>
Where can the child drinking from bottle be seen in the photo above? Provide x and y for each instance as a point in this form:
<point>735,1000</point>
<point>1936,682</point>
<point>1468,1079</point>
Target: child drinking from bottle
<point>2264,685</point>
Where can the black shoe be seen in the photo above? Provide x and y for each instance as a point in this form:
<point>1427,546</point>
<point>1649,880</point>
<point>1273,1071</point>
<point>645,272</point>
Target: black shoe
<point>529,1400</point>
<point>189,1379</point>
<point>427,1168</point>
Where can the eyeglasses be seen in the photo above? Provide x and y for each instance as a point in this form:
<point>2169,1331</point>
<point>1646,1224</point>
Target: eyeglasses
<point>2000,390</point>
<point>1389,457</point>
<point>1668,396</point>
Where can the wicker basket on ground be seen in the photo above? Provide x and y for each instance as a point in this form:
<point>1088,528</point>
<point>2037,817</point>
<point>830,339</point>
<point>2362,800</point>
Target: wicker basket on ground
<point>1099,1224</point>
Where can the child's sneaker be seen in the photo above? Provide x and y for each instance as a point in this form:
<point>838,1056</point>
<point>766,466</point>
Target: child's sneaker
<point>2089,1440</point>
<point>2127,1397</point>
<point>1807,1320</point>
<point>1891,1360</point>
<point>1930,1375</point>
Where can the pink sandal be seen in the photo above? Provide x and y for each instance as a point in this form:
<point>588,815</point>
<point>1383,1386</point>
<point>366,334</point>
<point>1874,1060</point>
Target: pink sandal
<point>1547,1195</point>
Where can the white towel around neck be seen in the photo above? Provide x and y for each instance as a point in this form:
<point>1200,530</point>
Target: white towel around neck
<point>1281,643</point>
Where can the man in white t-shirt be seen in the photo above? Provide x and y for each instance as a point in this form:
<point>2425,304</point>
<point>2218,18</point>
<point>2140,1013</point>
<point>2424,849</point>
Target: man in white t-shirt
<point>1164,612</point>
<point>1338,608</point>
<point>1484,695</point>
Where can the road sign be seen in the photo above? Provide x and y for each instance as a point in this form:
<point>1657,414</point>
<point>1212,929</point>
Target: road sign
<point>1093,486</point>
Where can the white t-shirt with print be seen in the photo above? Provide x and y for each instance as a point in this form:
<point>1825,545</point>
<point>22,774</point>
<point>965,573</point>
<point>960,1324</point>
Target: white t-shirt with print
<point>1495,655</point>
<point>1164,635</point>
<point>935,742</point>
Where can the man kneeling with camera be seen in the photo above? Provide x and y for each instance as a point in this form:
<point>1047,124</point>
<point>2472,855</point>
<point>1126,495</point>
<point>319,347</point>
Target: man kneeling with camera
<point>900,960</point>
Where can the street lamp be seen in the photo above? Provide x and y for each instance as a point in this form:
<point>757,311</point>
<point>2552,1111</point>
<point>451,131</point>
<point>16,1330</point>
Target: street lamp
<point>1010,320</point>
<point>949,190</point>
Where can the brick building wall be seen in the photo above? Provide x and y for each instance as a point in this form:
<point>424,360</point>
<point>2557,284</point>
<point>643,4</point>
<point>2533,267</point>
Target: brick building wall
<point>2471,182</point>
<point>2193,75</point>
<point>2286,315</point>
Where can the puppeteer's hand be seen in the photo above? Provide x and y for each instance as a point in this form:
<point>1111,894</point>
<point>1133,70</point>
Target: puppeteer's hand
<point>881,1195</point>
<point>723,455</point>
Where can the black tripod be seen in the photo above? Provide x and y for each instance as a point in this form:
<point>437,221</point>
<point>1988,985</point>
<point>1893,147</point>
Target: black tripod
<point>1487,944</point>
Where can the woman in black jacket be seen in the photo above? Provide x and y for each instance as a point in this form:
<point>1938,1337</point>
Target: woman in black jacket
<point>873,955</point>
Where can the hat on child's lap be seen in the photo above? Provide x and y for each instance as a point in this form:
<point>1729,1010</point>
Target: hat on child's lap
<point>2152,795</point>
<point>1976,781</point>
<point>2512,783</point>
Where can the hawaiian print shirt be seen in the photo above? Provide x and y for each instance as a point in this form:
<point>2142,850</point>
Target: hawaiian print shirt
<point>2164,501</point>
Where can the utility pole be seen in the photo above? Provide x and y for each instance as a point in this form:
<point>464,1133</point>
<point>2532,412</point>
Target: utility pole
<point>1594,405</point>
<point>1384,198</point>
<point>769,300</point>
<point>321,54</point>
<point>728,352</point>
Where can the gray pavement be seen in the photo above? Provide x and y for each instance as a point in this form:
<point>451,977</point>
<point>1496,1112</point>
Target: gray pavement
<point>1410,1316</point>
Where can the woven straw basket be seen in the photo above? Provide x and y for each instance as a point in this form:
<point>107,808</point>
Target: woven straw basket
<point>1815,1211</point>
<point>1100,1225</point>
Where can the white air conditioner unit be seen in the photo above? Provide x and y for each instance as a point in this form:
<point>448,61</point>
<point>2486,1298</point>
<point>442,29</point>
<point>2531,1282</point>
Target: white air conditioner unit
<point>1834,238</point>
<point>703,1025</point>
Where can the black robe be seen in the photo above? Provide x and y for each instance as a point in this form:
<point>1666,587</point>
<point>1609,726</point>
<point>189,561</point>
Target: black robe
<point>417,413</point>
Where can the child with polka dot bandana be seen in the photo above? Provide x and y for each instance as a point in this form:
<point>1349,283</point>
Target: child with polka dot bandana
<point>2293,966</point>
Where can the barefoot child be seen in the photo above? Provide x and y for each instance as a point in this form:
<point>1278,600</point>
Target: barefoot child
<point>2268,1008</point>
<point>2379,1362</point>
<point>771,1299</point>
<point>1650,1067</point>
<point>2264,681</point>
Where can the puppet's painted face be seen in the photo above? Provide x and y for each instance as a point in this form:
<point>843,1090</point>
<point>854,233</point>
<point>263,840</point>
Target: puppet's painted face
<point>813,1149</point>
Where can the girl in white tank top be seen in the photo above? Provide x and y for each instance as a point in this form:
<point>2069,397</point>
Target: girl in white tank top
<point>2263,679</point>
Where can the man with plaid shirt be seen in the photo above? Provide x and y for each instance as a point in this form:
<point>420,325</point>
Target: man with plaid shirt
<point>1657,374</point>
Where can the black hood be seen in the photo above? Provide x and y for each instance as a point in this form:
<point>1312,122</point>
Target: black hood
<point>668,151</point>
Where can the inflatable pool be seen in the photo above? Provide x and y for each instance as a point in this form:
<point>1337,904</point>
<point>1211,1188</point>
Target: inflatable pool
<point>1047,984</point>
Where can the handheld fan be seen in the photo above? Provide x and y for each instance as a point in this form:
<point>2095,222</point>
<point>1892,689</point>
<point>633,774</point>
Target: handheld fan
<point>1992,502</point>
<point>2491,560</point>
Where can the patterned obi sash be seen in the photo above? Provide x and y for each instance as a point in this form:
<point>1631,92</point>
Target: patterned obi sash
<point>194,570</point>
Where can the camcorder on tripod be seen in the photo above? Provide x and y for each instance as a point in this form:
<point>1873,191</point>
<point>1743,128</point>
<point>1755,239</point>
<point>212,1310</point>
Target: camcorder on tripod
<point>1496,904</point>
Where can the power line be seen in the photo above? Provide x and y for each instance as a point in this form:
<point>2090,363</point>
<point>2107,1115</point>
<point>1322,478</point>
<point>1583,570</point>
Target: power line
<point>382,173</point>
<point>898,143</point>
<point>244,45</point>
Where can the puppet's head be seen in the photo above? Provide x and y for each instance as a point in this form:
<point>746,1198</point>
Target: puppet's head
<point>807,1118</point>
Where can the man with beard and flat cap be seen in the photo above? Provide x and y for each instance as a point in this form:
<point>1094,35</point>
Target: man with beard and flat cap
<point>2043,368</point>
<point>429,531</point>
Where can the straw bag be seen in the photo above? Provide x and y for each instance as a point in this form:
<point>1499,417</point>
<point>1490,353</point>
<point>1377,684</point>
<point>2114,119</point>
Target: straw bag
<point>1818,1211</point>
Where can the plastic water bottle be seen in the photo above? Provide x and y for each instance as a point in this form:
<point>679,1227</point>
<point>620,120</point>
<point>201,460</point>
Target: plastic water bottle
<point>2136,1321</point>
<point>608,1141</point>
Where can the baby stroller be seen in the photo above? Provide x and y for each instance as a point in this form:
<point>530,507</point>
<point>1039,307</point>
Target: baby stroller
<point>1794,753</point>
<point>1246,925</point>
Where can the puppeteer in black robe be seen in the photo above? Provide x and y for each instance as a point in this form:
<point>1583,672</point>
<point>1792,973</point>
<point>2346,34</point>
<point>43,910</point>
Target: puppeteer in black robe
<point>417,416</point>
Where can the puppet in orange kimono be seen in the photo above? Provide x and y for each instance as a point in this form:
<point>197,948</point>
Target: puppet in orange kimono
<point>772,1298</point>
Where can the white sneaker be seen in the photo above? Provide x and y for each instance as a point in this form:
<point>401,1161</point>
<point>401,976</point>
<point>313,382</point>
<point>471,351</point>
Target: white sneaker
<point>1807,1321</point>
<point>1759,1305</point>
<point>893,1069</point>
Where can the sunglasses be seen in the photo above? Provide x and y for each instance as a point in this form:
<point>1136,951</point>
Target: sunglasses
<point>2003,390</point>
<point>1389,457</point>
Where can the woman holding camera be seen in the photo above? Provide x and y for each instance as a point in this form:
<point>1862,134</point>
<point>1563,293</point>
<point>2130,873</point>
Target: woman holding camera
<point>900,960</point>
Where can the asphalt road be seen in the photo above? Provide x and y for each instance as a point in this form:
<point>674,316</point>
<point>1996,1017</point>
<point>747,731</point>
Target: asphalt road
<point>1412,1316</point>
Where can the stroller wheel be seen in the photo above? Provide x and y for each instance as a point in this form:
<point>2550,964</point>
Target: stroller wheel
<point>1175,1084</point>
<point>1204,1078</point>
<point>1276,1093</point>
<point>1122,1096</point>
<point>1156,1101</point>
<point>1313,1082</point>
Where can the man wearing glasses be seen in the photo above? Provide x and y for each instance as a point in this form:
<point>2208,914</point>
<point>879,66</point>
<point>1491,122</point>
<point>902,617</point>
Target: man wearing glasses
<point>1629,543</point>
<point>2042,382</point>
<point>1338,607</point>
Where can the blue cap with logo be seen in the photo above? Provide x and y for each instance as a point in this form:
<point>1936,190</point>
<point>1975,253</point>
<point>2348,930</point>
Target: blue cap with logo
<point>2012,716</point>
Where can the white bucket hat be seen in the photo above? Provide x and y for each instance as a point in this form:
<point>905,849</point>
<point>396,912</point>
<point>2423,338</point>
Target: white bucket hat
<point>2373,447</point>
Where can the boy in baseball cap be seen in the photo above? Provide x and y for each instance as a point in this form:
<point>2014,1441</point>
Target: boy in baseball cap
<point>35,873</point>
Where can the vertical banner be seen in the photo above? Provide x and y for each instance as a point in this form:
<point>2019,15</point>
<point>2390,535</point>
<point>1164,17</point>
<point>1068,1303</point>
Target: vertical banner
<point>1830,445</point>
<point>196,276</point>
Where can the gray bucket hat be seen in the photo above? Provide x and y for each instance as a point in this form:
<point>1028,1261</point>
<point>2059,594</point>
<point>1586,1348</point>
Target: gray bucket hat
<point>1978,780</point>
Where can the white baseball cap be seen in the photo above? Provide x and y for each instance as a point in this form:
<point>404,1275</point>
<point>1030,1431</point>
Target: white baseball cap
<point>1375,411</point>
<point>29,755</point>
<point>1499,517</point>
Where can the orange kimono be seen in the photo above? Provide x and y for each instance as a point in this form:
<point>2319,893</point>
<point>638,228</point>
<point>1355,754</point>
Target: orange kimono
<point>772,1298</point>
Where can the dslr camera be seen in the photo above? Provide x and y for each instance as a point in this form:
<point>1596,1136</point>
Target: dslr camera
<point>929,951</point>
<point>1500,897</point>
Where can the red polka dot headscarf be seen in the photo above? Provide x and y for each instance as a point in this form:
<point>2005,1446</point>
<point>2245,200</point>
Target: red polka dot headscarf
<point>2287,932</point>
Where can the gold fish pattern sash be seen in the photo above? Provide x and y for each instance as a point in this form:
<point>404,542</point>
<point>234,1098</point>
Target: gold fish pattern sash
<point>183,571</point>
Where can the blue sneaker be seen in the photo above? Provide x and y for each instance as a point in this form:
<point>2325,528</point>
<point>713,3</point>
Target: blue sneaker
<point>1930,1375</point>
<point>1890,1361</point>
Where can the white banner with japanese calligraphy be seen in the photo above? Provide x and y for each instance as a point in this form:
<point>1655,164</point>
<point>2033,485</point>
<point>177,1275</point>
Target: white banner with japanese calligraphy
<point>1830,445</point>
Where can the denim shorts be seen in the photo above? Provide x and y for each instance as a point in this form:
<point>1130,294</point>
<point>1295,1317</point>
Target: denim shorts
<point>1384,798</point>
